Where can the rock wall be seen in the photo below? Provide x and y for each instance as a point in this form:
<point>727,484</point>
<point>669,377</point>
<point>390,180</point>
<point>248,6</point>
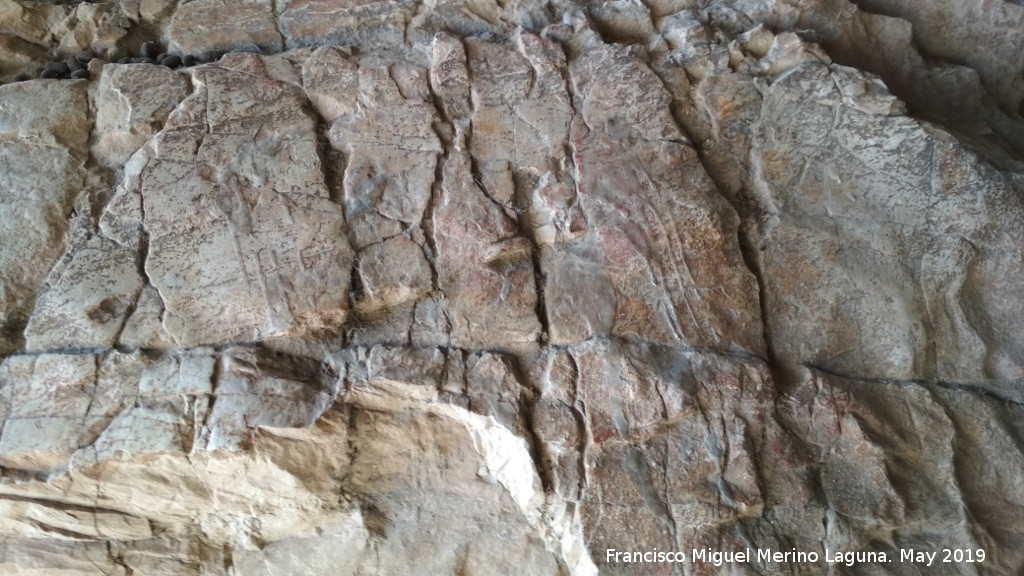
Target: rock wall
<point>472,287</point>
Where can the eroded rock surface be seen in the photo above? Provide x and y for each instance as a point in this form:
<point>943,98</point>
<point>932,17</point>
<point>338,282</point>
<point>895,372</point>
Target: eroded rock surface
<point>469,287</point>
<point>45,128</point>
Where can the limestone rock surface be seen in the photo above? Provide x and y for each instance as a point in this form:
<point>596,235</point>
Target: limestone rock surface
<point>474,287</point>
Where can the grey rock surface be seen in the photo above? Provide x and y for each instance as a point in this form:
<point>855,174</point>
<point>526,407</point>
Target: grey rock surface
<point>477,287</point>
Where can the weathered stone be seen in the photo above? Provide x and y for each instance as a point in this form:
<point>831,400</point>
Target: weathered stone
<point>493,390</point>
<point>663,235</point>
<point>391,152</point>
<point>676,441</point>
<point>147,10</point>
<point>17,55</point>
<point>483,267</point>
<point>29,22</point>
<point>88,299</point>
<point>330,80</point>
<point>247,26</point>
<point>45,128</point>
<point>365,22</point>
<point>556,418</point>
<point>520,116</point>
<point>47,400</point>
<point>254,390</point>
<point>90,408</point>
<point>473,18</point>
<point>98,27</point>
<point>132,103</point>
<point>391,273</point>
<point>157,403</point>
<point>847,207</point>
<point>576,315</point>
<point>250,191</point>
<point>982,28</point>
<point>414,366</point>
<point>684,275</point>
<point>500,482</point>
<point>920,56</point>
<point>449,77</point>
<point>144,327</point>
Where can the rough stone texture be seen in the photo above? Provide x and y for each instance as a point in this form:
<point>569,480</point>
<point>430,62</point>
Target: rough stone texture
<point>98,27</point>
<point>87,300</point>
<point>475,287</point>
<point>218,26</point>
<point>44,127</point>
<point>132,103</point>
<point>362,22</point>
<point>17,54</point>
<point>836,207</point>
<point>663,235</point>
<point>244,172</point>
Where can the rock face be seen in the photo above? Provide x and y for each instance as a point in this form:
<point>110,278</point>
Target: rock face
<point>44,154</point>
<point>468,287</point>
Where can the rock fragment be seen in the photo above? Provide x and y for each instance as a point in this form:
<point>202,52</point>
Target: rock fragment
<point>248,26</point>
<point>664,236</point>
<point>132,103</point>
<point>42,157</point>
<point>255,194</point>
<point>88,299</point>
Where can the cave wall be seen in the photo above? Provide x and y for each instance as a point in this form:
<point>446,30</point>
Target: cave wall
<point>473,287</point>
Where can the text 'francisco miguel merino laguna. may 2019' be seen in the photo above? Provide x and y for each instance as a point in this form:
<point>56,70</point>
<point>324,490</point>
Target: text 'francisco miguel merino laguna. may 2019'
<point>768,556</point>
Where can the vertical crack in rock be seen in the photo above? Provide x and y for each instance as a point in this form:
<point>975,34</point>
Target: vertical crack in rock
<point>333,162</point>
<point>201,434</point>
<point>276,10</point>
<point>447,133</point>
<point>586,440</point>
<point>480,256</point>
<point>529,396</point>
<point>427,223</point>
<point>745,244</point>
<point>150,328</point>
